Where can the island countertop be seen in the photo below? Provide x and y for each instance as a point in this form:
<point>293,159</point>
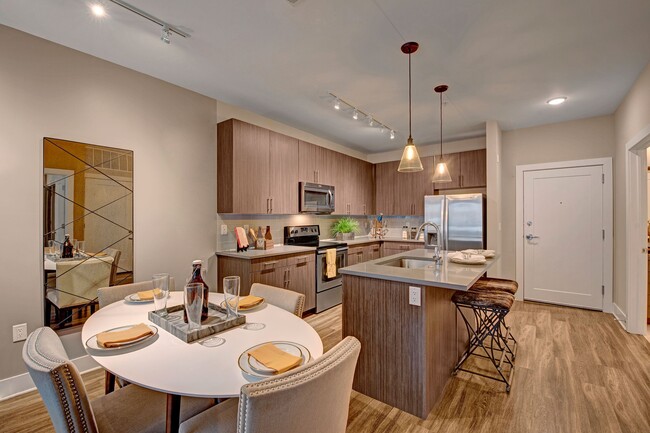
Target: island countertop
<point>447,275</point>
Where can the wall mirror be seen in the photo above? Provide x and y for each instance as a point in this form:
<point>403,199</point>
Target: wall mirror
<point>88,196</point>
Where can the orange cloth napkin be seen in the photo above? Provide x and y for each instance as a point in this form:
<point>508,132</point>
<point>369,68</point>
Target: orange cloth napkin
<point>330,260</point>
<point>117,338</point>
<point>274,358</point>
<point>147,295</point>
<point>249,301</point>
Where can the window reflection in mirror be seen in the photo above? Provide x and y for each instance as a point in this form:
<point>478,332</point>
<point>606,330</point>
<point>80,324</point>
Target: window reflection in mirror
<point>88,196</point>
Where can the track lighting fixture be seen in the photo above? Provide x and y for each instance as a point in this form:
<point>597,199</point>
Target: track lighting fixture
<point>340,104</point>
<point>167,29</point>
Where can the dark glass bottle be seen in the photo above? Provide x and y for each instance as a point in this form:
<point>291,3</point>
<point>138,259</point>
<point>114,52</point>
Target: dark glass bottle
<point>67,250</point>
<point>197,278</point>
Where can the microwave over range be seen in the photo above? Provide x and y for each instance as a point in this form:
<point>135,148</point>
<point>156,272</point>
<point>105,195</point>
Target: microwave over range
<point>316,198</point>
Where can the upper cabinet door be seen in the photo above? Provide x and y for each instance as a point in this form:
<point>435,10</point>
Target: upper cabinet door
<point>250,168</point>
<point>473,169</point>
<point>283,173</point>
<point>386,191</point>
<point>308,155</point>
<point>242,168</point>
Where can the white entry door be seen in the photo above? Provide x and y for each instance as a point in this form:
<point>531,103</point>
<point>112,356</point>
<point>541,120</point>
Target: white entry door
<point>563,236</point>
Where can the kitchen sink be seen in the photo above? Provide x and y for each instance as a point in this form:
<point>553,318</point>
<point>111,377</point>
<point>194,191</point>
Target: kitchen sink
<point>409,263</point>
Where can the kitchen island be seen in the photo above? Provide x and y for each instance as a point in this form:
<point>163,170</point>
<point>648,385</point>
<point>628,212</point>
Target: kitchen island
<point>400,308</point>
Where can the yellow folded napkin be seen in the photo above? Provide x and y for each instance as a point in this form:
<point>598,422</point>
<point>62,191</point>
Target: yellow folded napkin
<point>274,358</point>
<point>245,302</point>
<point>147,295</point>
<point>330,260</point>
<point>117,338</point>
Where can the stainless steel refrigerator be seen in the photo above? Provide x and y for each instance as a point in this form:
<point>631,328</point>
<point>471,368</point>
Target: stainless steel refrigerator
<point>461,217</point>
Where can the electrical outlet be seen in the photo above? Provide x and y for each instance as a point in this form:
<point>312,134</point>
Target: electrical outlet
<point>414,296</point>
<point>224,229</point>
<point>19,332</point>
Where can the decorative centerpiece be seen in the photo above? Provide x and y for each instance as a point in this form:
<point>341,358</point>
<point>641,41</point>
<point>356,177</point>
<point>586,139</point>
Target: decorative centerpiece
<point>345,228</point>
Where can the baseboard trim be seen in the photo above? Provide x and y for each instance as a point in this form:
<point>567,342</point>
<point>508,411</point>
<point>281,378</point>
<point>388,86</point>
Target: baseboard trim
<point>16,385</point>
<point>620,315</point>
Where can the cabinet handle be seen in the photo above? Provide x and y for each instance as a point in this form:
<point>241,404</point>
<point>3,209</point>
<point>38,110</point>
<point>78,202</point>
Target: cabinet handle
<point>267,205</point>
<point>288,277</point>
<point>271,205</point>
<point>461,180</point>
<point>364,209</point>
<point>273,263</point>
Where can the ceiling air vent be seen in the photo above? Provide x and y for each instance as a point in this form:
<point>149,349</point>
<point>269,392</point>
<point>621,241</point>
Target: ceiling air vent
<point>294,2</point>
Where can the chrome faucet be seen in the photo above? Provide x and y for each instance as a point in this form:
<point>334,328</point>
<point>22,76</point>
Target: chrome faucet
<point>430,246</point>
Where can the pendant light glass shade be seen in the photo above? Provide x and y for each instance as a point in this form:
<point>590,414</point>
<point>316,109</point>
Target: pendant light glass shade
<point>442,173</point>
<point>410,161</point>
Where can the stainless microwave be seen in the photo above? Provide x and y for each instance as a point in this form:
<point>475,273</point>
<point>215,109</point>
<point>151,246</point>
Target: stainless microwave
<point>316,198</point>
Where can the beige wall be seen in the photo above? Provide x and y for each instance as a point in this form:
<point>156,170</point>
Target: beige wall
<point>50,90</point>
<point>631,117</point>
<point>566,141</point>
<point>431,149</point>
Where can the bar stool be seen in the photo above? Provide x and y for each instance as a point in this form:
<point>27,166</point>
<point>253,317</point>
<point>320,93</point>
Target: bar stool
<point>487,330</point>
<point>500,285</point>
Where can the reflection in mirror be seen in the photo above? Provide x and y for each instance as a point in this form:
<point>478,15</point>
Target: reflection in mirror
<point>88,199</point>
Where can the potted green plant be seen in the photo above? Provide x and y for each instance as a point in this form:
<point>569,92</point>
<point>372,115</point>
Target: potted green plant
<point>345,228</point>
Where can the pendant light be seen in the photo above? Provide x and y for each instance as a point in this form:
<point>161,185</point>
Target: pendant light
<point>441,173</point>
<point>410,161</point>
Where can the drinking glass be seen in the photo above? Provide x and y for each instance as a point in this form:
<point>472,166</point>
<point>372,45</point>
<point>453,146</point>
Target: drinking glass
<point>81,245</point>
<point>231,295</point>
<point>50,245</point>
<point>193,304</point>
<point>75,246</point>
<point>160,293</point>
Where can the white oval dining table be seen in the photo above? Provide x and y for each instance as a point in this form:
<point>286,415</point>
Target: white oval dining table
<point>169,365</point>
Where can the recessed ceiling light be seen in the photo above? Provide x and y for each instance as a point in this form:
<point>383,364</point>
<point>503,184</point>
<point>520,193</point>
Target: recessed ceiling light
<point>98,9</point>
<point>556,101</point>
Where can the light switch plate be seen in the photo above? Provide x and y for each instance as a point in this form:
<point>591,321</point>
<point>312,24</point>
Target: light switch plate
<point>415,297</point>
<point>224,229</point>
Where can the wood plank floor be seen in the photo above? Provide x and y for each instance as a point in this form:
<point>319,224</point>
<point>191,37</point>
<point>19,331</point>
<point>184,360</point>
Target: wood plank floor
<point>577,371</point>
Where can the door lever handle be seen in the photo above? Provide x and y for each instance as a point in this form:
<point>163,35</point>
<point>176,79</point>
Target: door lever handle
<point>531,237</point>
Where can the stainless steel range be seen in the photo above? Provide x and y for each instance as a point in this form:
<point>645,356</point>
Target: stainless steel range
<point>329,291</point>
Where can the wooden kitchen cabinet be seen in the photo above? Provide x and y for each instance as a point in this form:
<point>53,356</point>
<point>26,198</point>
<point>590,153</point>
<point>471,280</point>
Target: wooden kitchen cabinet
<point>355,255</point>
<point>316,164</point>
<point>355,187</point>
<point>295,272</point>
<point>467,170</point>
<point>373,251</point>
<point>256,170</point>
<point>283,173</point>
<point>363,253</point>
<point>402,193</point>
<point>391,247</point>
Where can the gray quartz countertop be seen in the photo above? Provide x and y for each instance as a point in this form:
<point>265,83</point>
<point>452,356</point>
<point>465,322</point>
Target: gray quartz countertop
<point>278,250</point>
<point>448,275</point>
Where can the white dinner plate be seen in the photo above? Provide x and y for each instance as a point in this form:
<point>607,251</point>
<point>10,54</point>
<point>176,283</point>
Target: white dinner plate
<point>133,298</point>
<point>91,343</point>
<point>223,305</point>
<point>251,366</point>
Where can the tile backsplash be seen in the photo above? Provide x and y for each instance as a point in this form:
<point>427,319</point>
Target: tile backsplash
<point>278,222</point>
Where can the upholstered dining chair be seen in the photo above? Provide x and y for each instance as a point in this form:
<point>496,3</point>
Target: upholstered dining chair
<point>115,254</point>
<point>286,299</point>
<point>313,398</point>
<point>108,295</point>
<point>130,409</point>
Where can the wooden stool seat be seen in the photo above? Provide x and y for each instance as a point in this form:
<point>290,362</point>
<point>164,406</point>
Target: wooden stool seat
<point>494,299</point>
<point>499,284</point>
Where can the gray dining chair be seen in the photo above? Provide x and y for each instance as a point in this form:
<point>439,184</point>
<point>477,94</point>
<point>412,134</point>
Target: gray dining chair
<point>108,295</point>
<point>313,398</point>
<point>130,409</point>
<point>288,300</point>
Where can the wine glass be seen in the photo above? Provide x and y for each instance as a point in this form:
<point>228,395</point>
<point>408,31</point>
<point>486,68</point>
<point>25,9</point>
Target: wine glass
<point>160,293</point>
<point>193,304</point>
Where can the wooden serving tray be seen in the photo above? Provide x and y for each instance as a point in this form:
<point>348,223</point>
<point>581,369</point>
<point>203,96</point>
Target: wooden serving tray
<point>215,323</point>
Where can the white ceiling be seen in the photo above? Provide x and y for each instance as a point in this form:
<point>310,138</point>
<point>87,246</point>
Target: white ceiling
<point>501,58</point>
